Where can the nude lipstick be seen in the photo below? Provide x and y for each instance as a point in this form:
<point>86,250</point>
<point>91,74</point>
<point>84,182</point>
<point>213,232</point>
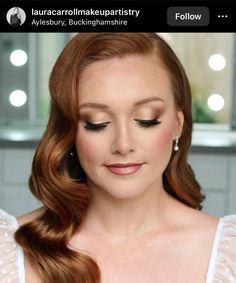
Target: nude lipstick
<point>124,168</point>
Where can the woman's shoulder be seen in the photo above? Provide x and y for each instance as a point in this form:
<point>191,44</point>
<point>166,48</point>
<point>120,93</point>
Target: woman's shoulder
<point>222,231</point>
<point>226,238</point>
<point>8,225</point>
<point>222,267</point>
<point>7,219</point>
<point>10,253</point>
<point>226,235</point>
<point>30,216</point>
<point>231,218</point>
<point>14,222</point>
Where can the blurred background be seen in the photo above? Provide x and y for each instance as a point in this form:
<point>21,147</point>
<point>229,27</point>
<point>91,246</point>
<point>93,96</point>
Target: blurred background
<point>26,60</point>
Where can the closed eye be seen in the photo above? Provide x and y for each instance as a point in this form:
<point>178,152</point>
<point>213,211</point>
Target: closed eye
<point>101,126</point>
<point>95,127</point>
<point>147,123</point>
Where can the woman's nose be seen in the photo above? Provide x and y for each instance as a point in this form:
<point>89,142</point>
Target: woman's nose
<point>123,143</point>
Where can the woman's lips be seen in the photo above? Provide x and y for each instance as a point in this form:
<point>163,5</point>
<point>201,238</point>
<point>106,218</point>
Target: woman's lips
<point>124,169</point>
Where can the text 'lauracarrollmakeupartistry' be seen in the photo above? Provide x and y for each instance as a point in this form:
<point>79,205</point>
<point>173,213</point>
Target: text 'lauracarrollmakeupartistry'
<point>86,12</point>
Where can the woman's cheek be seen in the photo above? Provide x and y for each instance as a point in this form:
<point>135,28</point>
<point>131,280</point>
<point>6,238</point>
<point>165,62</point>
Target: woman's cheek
<point>162,141</point>
<point>88,149</point>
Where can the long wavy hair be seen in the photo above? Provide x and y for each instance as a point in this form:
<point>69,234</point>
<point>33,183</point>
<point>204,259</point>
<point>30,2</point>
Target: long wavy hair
<point>57,178</point>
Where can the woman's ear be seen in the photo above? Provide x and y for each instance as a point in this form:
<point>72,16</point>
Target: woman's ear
<point>179,123</point>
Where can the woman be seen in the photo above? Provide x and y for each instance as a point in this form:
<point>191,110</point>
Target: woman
<point>120,202</point>
<point>15,18</point>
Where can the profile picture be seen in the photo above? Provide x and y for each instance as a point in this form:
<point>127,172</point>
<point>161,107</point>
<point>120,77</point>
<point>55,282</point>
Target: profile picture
<point>16,16</point>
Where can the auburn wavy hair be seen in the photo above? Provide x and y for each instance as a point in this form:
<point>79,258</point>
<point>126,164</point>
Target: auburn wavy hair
<point>57,178</point>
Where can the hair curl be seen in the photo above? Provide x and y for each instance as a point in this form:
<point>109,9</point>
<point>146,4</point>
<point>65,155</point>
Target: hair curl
<point>57,179</point>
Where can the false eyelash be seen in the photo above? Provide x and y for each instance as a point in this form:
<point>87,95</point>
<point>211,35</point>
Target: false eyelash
<point>101,126</point>
<point>95,127</point>
<point>148,123</point>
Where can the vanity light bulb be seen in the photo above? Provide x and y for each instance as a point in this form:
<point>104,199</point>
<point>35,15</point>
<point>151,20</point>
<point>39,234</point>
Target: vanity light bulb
<point>18,57</point>
<point>18,98</point>
<point>215,102</point>
<point>216,62</point>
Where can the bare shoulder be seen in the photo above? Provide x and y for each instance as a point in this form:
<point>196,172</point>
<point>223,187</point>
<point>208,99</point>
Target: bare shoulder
<point>190,219</point>
<point>203,218</point>
<point>200,221</point>
<point>30,216</point>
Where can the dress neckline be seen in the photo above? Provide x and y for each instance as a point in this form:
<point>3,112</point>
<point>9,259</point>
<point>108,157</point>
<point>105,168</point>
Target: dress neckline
<point>215,245</point>
<point>211,265</point>
<point>20,253</point>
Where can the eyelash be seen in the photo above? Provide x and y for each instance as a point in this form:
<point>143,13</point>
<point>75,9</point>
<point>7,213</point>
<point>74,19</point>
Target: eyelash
<point>95,127</point>
<point>148,123</point>
<point>101,126</point>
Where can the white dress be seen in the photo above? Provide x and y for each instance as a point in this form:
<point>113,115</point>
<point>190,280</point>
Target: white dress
<point>222,265</point>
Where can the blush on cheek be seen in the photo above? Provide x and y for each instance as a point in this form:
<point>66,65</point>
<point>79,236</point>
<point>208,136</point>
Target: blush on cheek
<point>162,141</point>
<point>88,149</point>
<point>85,149</point>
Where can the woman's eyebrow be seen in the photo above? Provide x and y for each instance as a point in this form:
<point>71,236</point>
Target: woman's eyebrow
<point>105,107</point>
<point>94,105</point>
<point>148,99</point>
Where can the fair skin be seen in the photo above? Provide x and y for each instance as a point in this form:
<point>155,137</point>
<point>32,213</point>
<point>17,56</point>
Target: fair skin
<point>134,230</point>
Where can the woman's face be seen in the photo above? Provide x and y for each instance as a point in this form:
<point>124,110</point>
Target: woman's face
<point>127,124</point>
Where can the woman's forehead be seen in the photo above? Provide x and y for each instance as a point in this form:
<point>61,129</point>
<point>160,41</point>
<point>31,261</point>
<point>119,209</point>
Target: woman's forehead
<point>130,79</point>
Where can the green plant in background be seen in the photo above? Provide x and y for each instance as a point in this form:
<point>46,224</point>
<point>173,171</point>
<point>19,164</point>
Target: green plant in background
<point>43,107</point>
<point>201,113</point>
<point>200,110</point>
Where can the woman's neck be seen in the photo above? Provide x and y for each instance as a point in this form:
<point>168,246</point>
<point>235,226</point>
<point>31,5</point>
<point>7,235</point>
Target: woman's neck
<point>118,219</point>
